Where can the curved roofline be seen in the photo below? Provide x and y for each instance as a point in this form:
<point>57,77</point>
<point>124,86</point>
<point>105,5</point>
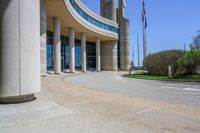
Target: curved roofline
<point>85,23</point>
<point>94,15</point>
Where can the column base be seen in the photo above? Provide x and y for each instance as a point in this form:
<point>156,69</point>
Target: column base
<point>57,73</point>
<point>44,75</point>
<point>72,72</point>
<point>17,99</point>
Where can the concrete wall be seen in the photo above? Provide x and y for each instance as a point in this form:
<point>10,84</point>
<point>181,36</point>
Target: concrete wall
<point>19,47</point>
<point>124,44</point>
<point>43,35</point>
<point>109,56</point>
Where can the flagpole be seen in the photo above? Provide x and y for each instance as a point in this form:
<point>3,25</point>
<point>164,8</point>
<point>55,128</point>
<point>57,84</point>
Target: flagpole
<point>184,47</point>
<point>144,40</point>
<point>144,31</point>
<point>133,57</point>
<point>144,45</point>
<point>138,49</point>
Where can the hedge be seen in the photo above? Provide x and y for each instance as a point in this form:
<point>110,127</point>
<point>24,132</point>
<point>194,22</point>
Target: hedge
<point>158,63</point>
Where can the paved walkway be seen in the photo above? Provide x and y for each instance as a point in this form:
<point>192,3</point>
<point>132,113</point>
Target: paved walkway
<point>64,107</point>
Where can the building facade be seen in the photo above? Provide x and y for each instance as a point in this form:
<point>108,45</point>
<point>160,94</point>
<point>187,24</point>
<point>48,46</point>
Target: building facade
<point>37,36</point>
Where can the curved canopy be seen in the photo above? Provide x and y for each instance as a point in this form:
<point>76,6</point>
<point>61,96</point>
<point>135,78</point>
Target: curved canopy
<point>74,14</point>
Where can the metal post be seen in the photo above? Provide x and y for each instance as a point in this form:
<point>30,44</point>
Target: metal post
<point>170,71</point>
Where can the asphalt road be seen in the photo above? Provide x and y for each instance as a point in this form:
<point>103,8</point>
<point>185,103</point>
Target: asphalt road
<point>172,92</point>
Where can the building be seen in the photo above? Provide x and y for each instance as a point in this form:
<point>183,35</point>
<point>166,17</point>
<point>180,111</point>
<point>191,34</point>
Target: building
<point>37,36</point>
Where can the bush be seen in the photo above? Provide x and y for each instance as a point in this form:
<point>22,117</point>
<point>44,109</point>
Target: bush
<point>158,63</point>
<point>189,64</point>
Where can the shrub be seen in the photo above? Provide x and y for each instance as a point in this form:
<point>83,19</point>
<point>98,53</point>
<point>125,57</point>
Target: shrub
<point>158,63</point>
<point>189,64</point>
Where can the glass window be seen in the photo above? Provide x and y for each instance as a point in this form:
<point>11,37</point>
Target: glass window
<point>65,53</point>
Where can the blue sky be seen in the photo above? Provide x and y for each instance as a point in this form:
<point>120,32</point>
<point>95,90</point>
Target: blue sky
<point>171,23</point>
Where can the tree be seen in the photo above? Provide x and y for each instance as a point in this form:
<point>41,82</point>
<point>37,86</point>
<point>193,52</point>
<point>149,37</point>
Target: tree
<point>195,44</point>
<point>189,63</point>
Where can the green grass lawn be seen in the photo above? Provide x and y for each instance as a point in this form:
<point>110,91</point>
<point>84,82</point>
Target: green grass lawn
<point>164,78</point>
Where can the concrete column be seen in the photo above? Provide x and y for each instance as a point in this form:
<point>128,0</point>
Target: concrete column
<point>108,9</point>
<point>72,49</point>
<point>125,45</point>
<point>43,38</point>
<point>102,7</point>
<point>19,50</point>
<point>124,37</point>
<point>98,57</point>
<point>57,46</point>
<point>83,47</point>
<point>121,9</point>
<point>109,56</point>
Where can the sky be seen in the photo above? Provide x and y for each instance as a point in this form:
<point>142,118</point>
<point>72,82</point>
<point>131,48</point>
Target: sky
<point>171,23</point>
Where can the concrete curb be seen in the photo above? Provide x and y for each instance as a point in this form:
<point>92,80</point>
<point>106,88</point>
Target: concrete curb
<point>181,81</point>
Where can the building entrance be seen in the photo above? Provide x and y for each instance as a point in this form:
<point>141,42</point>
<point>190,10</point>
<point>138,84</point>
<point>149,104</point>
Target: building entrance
<point>65,53</point>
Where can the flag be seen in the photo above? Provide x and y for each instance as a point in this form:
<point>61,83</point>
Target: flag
<point>143,4</point>
<point>144,18</point>
<point>145,26</point>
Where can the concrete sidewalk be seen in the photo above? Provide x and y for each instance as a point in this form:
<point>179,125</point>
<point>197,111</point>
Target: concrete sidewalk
<point>63,107</point>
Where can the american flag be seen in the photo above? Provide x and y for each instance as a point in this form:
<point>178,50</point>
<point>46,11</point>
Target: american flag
<point>144,18</point>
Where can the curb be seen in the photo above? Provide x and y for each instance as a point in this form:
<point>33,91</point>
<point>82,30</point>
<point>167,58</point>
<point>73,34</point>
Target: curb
<point>167,80</point>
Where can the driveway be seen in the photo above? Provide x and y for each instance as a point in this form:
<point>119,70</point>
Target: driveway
<point>105,103</point>
<point>172,92</point>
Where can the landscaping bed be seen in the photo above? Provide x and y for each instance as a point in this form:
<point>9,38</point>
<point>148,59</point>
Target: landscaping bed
<point>162,78</point>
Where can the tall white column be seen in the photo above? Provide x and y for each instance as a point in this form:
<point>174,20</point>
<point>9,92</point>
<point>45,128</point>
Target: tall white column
<point>72,49</point>
<point>57,46</point>
<point>19,50</point>
<point>83,47</point>
<point>98,58</point>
